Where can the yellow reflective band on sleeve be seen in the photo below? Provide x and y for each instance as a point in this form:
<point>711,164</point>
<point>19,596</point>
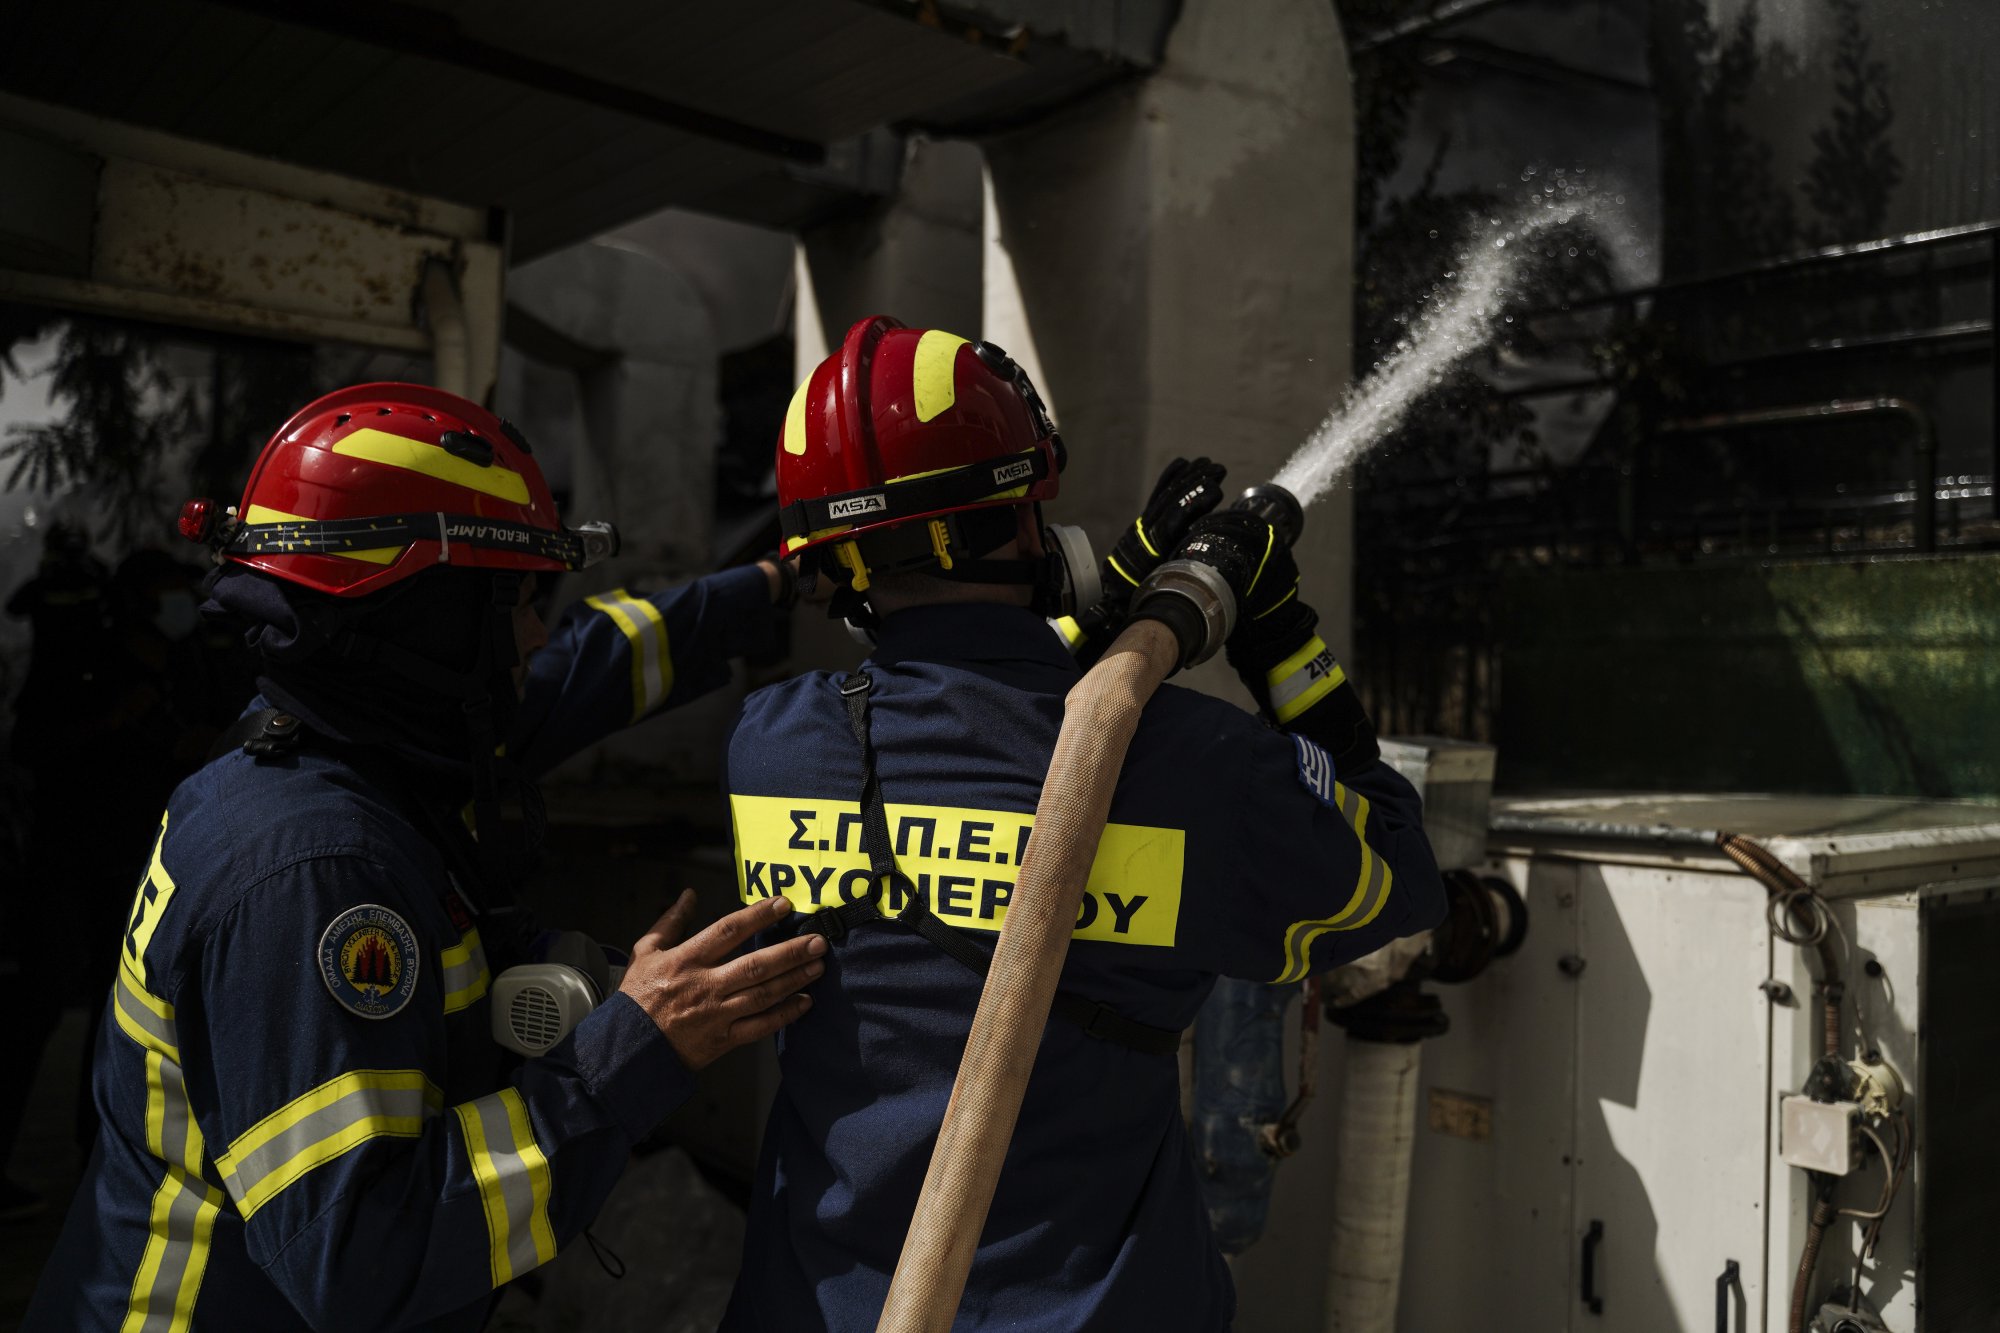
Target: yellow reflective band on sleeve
<point>179,1226</point>
<point>1072,633</point>
<point>311,1130</point>
<point>1303,679</point>
<point>652,661</point>
<point>962,861</point>
<point>795,419</point>
<point>1371,891</point>
<point>374,555</point>
<point>144,1017</point>
<point>463,971</point>
<point>933,372</point>
<point>513,1176</point>
<point>379,446</point>
<point>171,1132</point>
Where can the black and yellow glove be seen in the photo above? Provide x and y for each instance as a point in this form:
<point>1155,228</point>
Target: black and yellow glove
<point>1276,648</point>
<point>1184,493</point>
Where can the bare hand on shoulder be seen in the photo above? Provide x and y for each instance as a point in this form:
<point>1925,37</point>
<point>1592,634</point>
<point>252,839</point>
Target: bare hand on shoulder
<point>708,1004</point>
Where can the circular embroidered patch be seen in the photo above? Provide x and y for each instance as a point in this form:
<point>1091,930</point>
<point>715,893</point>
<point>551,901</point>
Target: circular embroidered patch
<point>368,959</point>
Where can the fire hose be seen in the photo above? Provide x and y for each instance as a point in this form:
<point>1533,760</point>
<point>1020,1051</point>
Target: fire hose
<point>1196,612</point>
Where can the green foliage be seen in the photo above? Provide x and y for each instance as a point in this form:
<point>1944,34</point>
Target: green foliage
<point>1855,167</point>
<point>1724,203</point>
<point>124,415</point>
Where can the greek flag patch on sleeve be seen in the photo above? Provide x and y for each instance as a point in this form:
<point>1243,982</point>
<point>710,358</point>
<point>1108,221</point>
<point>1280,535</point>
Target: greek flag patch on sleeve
<point>1316,770</point>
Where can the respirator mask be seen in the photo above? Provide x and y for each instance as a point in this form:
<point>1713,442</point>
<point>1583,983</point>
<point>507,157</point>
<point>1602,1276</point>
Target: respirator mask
<point>536,1005</point>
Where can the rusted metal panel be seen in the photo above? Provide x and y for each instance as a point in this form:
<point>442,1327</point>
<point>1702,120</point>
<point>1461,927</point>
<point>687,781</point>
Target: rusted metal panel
<point>189,234</point>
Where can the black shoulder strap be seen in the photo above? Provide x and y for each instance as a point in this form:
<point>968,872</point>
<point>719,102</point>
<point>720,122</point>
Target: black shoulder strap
<point>267,731</point>
<point>1096,1020</point>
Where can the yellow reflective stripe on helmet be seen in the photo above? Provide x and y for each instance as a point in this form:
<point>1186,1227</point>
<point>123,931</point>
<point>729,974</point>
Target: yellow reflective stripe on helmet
<point>933,372</point>
<point>375,555</point>
<point>652,661</point>
<point>462,970</point>
<point>1303,679</point>
<point>179,1226</point>
<point>313,1129</point>
<point>379,446</point>
<point>795,419</point>
<point>1371,891</point>
<point>513,1176</point>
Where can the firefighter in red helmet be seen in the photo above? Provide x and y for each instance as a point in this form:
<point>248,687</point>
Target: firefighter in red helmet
<point>892,806</point>
<point>314,1113</point>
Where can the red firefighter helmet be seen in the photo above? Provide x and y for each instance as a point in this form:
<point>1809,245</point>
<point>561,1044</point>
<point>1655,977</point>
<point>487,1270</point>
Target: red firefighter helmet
<point>905,424</point>
<point>373,484</point>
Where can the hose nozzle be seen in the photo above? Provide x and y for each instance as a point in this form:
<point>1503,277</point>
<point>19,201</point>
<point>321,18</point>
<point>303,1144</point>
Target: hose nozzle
<point>1276,506</point>
<point>1193,599</point>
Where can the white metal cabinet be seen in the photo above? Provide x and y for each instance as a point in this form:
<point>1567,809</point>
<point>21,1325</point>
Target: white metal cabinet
<point>1641,1089</point>
<point>1672,1057</point>
<point>1491,1217</point>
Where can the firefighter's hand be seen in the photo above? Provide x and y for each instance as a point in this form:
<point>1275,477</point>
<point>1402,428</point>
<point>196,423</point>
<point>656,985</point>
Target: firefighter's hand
<point>1185,492</point>
<point>1246,552</point>
<point>707,1003</point>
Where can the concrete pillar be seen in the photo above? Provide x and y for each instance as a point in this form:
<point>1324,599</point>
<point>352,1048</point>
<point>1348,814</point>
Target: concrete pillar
<point>916,257</point>
<point>1181,255</point>
<point>644,457</point>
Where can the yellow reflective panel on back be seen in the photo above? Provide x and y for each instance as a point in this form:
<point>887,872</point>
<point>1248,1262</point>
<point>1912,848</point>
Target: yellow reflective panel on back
<point>964,861</point>
<point>934,372</point>
<point>149,904</point>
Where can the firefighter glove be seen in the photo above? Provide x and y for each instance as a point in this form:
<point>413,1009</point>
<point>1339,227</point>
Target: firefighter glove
<point>1254,562</point>
<point>1184,493</point>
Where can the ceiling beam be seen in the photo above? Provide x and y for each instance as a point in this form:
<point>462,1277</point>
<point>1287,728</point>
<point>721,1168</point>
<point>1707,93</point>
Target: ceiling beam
<point>417,31</point>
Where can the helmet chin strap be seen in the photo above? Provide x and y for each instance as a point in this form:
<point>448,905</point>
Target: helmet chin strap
<point>1062,579</point>
<point>1046,575</point>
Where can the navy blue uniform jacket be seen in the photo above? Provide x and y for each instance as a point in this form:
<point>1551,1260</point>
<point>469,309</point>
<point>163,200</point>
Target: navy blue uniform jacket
<point>306,1120</point>
<point>1233,849</point>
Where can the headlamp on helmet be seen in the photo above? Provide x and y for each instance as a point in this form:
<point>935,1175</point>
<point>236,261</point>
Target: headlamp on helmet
<point>373,484</point>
